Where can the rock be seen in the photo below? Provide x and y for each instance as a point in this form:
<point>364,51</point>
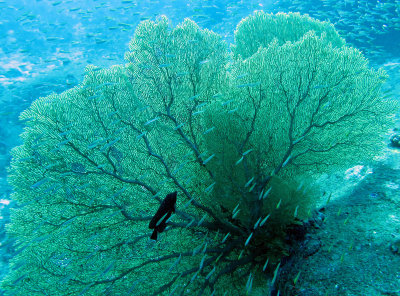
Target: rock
<point>395,140</point>
<point>311,247</point>
<point>308,292</point>
<point>395,247</point>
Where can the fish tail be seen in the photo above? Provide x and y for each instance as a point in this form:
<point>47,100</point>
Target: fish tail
<point>154,235</point>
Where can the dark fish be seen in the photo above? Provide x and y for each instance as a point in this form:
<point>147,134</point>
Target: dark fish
<point>167,207</point>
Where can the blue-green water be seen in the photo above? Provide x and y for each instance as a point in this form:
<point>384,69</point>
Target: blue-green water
<point>46,45</point>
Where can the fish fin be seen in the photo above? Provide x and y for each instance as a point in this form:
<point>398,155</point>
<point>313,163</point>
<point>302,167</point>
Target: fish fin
<point>162,227</point>
<point>154,235</point>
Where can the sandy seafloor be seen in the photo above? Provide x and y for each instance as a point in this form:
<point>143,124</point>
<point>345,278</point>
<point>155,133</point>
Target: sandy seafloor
<point>356,250</point>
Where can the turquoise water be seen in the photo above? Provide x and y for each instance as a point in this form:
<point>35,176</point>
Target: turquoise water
<point>45,47</point>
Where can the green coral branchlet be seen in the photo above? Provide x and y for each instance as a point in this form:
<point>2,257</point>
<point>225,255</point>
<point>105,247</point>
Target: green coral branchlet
<point>260,29</point>
<point>240,137</point>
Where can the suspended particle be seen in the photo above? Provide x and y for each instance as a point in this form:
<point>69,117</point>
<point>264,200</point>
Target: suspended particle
<point>248,239</point>
<point>202,220</point>
<point>296,278</point>
<point>209,188</point>
<point>239,161</point>
<point>208,159</point>
<point>264,220</point>
<point>249,182</point>
<point>266,193</point>
<point>225,237</point>
<point>235,214</point>
<point>252,187</point>
<point>210,273</point>
<point>295,212</point>
<point>265,264</point>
